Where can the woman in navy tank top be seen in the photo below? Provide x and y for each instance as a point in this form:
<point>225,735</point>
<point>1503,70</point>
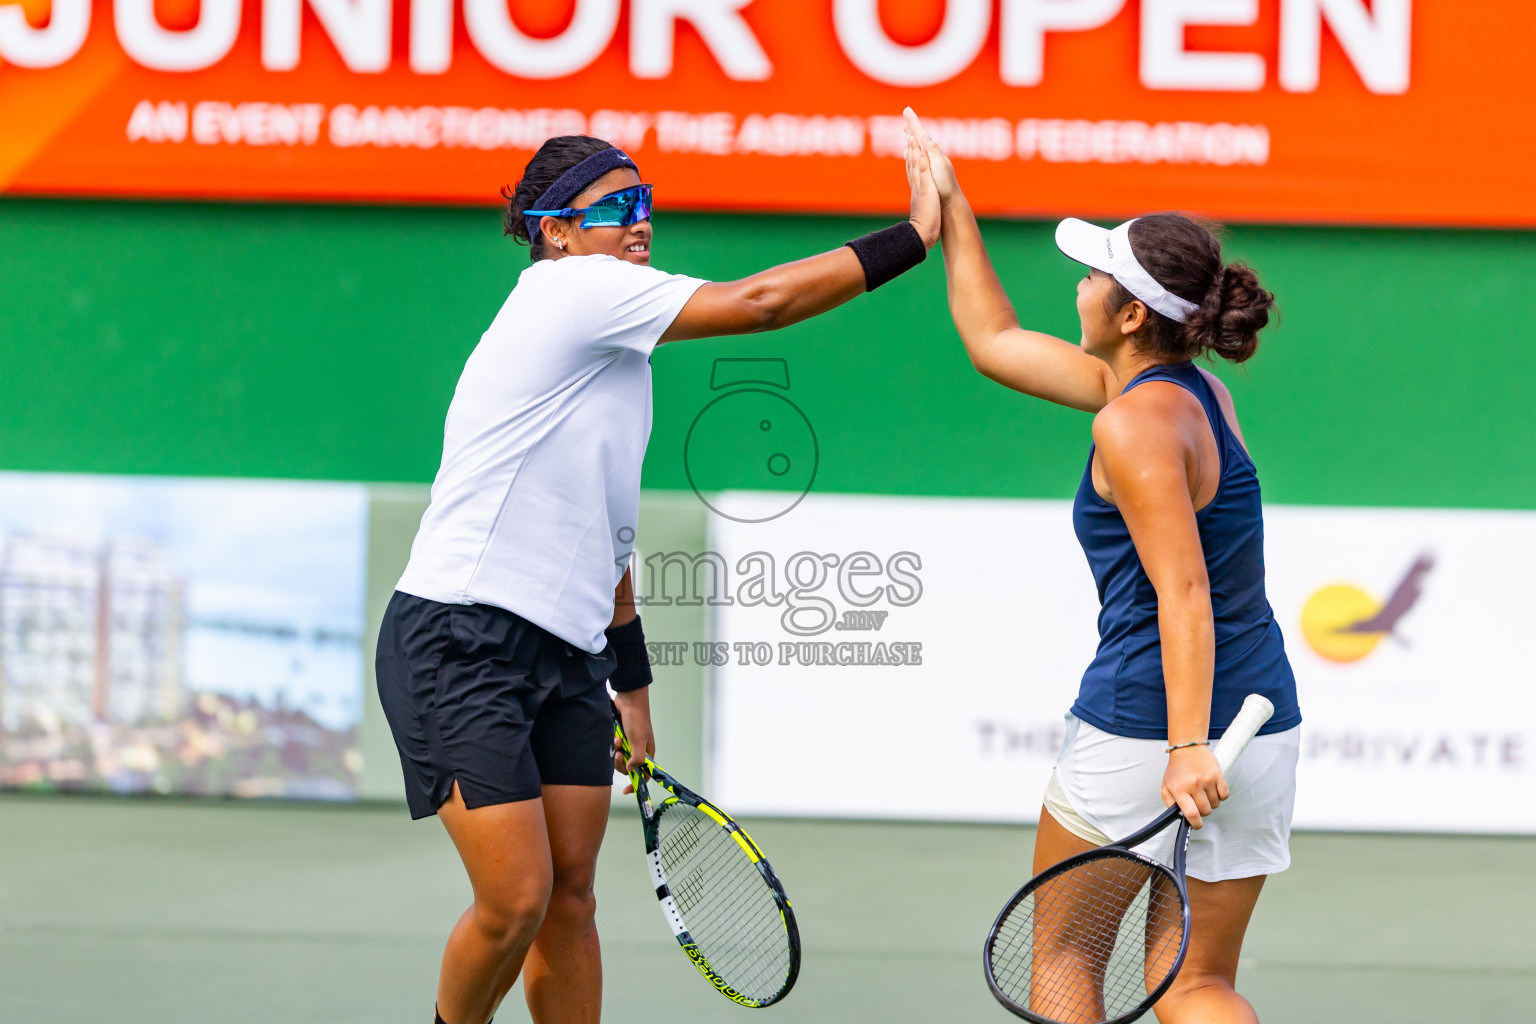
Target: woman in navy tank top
<point>1169,517</point>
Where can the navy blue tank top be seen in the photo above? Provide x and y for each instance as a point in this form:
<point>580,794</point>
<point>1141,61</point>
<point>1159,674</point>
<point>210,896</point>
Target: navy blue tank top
<point>1122,691</point>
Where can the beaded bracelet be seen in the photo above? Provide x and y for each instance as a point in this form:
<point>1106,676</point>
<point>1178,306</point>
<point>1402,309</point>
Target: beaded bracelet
<point>1192,743</point>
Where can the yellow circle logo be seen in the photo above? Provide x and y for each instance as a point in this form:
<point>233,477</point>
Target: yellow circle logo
<point>1331,611</point>
<point>1344,623</point>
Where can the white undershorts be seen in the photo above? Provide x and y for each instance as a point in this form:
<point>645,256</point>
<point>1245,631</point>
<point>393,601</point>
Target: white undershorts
<point>1105,787</point>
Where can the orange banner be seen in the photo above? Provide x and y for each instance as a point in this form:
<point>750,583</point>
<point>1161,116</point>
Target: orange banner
<point>1273,110</point>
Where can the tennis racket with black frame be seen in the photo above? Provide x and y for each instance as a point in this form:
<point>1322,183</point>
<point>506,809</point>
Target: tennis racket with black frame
<point>718,892</point>
<point>1098,938</point>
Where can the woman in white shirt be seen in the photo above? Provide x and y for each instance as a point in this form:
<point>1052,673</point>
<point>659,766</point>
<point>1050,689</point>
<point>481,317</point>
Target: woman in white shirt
<point>516,606</point>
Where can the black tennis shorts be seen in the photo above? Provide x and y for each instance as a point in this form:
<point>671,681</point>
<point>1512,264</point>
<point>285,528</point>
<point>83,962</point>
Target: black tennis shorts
<point>481,695</point>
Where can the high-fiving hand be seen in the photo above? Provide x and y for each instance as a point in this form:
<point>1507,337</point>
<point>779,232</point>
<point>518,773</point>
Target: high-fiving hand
<point>931,157</point>
<point>926,212</point>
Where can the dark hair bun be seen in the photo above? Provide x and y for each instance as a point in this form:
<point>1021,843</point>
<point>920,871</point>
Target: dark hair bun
<point>553,159</point>
<point>1184,255</point>
<point>1235,310</point>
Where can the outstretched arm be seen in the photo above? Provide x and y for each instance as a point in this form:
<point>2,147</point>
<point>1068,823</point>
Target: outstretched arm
<point>792,292</point>
<point>777,297</point>
<point>1028,361</point>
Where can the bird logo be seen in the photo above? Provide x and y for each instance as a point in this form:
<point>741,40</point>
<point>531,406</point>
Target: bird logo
<point>1344,623</point>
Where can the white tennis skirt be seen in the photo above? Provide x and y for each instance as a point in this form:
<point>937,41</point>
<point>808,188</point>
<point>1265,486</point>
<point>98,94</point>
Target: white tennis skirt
<point>1105,787</point>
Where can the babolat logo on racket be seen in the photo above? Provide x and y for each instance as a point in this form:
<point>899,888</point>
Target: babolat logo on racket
<point>693,954</point>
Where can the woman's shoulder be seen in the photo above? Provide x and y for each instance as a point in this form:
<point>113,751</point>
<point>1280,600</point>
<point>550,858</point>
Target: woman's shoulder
<point>1149,417</point>
<point>1144,407</point>
<point>1161,412</point>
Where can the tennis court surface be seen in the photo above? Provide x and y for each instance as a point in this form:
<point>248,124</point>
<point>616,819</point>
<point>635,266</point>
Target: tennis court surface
<point>178,912</point>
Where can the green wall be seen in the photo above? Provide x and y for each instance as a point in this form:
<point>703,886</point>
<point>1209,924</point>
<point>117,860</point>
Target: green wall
<point>323,342</point>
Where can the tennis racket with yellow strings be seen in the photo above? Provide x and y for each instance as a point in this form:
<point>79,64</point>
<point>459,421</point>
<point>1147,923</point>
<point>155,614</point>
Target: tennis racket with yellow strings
<point>717,891</point>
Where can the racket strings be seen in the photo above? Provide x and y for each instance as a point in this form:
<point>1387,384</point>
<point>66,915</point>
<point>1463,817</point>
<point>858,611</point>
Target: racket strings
<point>1090,944</point>
<point>724,902</point>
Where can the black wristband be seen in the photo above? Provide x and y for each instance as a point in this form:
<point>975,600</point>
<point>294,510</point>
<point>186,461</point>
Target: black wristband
<point>628,643</point>
<point>888,253</point>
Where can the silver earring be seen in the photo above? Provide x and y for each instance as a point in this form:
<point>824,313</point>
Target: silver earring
<point>560,243</point>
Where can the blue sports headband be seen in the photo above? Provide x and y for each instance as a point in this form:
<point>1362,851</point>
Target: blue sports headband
<point>578,179</point>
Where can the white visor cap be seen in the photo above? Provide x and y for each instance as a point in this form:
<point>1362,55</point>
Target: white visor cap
<point>1109,250</point>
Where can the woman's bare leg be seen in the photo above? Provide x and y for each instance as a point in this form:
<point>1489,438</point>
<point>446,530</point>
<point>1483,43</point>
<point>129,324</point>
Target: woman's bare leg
<point>1054,844</point>
<point>505,848</point>
<point>1204,992</point>
<point>1075,971</point>
<point>563,975</point>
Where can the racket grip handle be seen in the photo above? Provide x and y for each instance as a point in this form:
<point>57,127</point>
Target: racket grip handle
<point>1256,710</point>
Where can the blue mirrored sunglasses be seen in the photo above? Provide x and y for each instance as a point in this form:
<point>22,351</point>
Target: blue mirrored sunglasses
<point>615,210</point>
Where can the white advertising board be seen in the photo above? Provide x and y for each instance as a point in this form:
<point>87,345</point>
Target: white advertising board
<point>914,657</point>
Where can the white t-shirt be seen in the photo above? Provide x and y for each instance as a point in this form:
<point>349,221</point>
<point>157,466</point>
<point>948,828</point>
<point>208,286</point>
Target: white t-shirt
<point>536,502</point>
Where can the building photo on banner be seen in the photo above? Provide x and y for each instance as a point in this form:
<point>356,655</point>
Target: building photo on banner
<point>324,463</point>
<point>180,636</point>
